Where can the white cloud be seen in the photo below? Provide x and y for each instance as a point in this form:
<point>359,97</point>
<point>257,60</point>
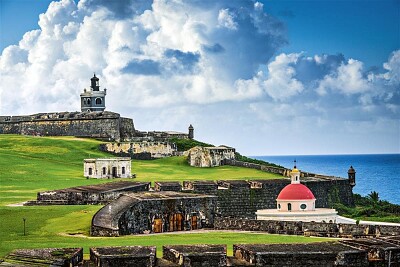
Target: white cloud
<point>227,19</point>
<point>212,63</point>
<point>348,79</point>
<point>281,82</point>
<point>393,68</point>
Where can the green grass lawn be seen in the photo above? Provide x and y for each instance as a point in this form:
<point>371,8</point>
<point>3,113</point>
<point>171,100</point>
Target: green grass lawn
<point>32,164</point>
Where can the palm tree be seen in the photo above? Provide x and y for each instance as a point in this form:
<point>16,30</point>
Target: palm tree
<point>374,196</point>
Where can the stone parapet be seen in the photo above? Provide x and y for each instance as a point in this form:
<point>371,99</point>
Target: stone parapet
<point>124,256</point>
<point>196,255</point>
<point>305,228</point>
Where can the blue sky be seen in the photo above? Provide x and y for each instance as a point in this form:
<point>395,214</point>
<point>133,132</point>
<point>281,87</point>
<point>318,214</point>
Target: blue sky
<point>366,30</point>
<point>269,77</point>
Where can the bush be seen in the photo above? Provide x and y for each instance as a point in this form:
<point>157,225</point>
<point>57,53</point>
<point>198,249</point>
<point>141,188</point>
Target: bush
<point>186,144</point>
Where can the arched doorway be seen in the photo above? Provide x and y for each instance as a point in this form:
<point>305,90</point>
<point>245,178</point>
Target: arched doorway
<point>289,206</point>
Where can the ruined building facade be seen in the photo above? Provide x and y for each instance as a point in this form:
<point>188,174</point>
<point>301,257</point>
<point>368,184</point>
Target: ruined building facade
<point>107,168</point>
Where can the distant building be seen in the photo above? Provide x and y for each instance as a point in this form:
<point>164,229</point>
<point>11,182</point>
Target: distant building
<point>352,176</point>
<point>107,168</point>
<point>191,132</point>
<point>209,156</point>
<point>296,202</point>
<point>93,99</point>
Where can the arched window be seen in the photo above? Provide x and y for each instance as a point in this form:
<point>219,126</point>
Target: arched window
<point>279,206</point>
<point>98,101</point>
<point>89,101</point>
<point>289,206</point>
<point>123,170</point>
<point>84,101</point>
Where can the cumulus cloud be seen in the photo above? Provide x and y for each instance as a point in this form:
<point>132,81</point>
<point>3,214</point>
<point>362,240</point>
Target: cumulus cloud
<point>137,48</point>
<point>181,58</point>
<point>348,79</point>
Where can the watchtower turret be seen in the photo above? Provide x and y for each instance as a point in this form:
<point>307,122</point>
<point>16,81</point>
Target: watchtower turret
<point>352,176</point>
<point>93,99</point>
<point>94,83</point>
<point>191,132</point>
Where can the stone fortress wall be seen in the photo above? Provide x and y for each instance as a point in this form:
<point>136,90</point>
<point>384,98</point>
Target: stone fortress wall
<point>103,125</point>
<point>239,198</point>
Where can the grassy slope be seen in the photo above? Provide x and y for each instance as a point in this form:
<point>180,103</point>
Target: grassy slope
<point>32,164</point>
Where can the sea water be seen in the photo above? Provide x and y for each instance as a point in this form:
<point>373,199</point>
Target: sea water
<point>378,172</point>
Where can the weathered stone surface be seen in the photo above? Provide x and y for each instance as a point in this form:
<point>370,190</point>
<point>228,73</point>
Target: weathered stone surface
<point>306,228</point>
<point>141,150</point>
<point>209,156</point>
<point>144,256</point>
<point>311,254</point>
<point>64,257</point>
<point>90,194</point>
<point>154,212</point>
<point>104,125</point>
<point>168,186</point>
<point>107,168</point>
<point>196,255</point>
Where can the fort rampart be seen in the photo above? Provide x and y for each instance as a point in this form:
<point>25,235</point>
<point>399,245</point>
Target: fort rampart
<point>103,125</point>
<point>306,228</point>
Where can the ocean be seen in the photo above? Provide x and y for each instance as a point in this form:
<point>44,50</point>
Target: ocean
<point>374,172</point>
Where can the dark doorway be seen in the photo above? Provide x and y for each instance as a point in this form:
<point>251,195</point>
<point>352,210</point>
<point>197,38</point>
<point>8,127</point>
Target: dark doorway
<point>114,171</point>
<point>90,171</point>
<point>289,206</point>
<point>194,222</point>
<point>176,222</point>
<point>157,225</point>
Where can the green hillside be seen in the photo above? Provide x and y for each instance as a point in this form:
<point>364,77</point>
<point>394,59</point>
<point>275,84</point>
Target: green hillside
<point>32,164</point>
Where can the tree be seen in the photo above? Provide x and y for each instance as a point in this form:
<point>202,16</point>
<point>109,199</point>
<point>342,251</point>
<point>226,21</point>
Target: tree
<point>374,196</point>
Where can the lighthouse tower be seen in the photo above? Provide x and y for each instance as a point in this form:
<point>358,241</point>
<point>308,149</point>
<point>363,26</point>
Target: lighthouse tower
<point>93,99</point>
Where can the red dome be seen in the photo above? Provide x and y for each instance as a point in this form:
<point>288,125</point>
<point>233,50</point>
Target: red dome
<point>295,192</point>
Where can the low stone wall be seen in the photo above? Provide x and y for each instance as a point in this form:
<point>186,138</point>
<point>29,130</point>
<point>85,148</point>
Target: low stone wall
<point>196,255</point>
<point>62,257</point>
<point>305,228</point>
<point>358,252</point>
<point>124,256</point>
<point>167,186</point>
<point>271,169</point>
<point>310,255</point>
<point>91,194</point>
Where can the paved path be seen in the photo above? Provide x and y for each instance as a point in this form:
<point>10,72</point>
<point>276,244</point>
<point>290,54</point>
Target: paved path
<point>341,219</point>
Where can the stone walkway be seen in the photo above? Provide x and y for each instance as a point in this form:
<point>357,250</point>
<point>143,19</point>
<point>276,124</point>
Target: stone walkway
<point>341,219</point>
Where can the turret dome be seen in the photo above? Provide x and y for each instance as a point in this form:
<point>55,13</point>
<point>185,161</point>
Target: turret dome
<point>295,192</point>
